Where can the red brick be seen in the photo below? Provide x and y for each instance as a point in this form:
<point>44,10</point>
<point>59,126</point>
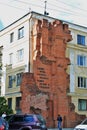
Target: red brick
<point>50,77</point>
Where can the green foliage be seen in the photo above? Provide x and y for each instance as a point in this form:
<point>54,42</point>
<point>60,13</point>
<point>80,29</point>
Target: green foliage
<point>4,107</point>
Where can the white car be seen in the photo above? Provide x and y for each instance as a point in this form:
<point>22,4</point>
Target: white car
<point>82,126</point>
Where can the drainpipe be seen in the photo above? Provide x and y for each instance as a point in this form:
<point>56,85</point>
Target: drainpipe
<point>29,42</point>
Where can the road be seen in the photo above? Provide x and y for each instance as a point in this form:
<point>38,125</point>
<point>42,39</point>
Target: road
<point>62,128</point>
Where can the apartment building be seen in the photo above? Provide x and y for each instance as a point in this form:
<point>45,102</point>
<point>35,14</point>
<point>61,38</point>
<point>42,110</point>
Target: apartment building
<point>77,52</point>
<point>15,42</point>
<point>1,68</point>
<point>18,54</point>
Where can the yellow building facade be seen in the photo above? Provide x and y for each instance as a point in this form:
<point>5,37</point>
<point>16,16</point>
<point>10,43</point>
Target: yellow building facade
<point>77,52</point>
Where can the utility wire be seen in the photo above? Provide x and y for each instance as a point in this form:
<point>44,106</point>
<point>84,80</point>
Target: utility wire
<point>72,5</point>
<point>26,3</point>
<point>59,9</point>
<point>65,9</point>
<point>12,6</point>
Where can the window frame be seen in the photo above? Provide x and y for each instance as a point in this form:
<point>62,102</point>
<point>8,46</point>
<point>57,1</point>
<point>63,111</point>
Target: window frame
<point>81,106</point>
<point>20,55</point>
<point>82,82</point>
<point>11,37</point>
<point>18,78</point>
<point>0,90</point>
<point>21,32</point>
<point>81,60</point>
<point>18,99</point>
<point>81,40</point>
<point>11,58</point>
<point>10,103</point>
<point>10,81</point>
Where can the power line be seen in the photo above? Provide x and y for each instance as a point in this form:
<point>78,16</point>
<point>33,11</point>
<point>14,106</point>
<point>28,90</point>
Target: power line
<point>12,6</point>
<point>72,5</point>
<point>69,11</point>
<point>52,8</point>
<point>28,3</point>
<point>65,9</point>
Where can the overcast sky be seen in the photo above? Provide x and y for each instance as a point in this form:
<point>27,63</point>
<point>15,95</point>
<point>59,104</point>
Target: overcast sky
<point>70,10</point>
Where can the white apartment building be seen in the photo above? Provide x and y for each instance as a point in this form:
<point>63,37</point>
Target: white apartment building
<point>15,58</point>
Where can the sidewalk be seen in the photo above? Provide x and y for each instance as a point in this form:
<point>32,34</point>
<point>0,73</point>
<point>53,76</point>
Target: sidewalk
<point>62,128</point>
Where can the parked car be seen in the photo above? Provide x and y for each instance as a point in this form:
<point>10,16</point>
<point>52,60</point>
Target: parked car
<point>41,119</point>
<point>82,126</point>
<point>3,124</point>
<point>26,122</point>
<point>8,117</point>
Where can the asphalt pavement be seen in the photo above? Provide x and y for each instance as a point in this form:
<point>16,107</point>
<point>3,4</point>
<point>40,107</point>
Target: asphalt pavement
<point>62,128</point>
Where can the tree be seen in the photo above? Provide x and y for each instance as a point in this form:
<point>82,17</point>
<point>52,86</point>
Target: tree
<point>4,107</point>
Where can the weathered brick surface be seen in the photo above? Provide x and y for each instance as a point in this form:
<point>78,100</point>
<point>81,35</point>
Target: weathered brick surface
<point>50,77</point>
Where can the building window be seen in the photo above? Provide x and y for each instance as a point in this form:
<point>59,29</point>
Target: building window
<point>10,85</point>
<point>81,60</point>
<point>82,82</point>
<point>18,99</point>
<point>82,105</point>
<point>18,109</point>
<point>21,33</point>
<point>20,54</point>
<point>19,79</point>
<point>11,37</point>
<point>81,40</point>
<point>10,58</point>
<point>10,103</point>
<point>0,90</point>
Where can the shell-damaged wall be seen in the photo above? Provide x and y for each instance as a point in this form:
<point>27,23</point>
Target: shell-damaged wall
<point>46,89</point>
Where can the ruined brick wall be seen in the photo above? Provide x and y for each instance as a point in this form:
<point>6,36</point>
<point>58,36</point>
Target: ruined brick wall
<point>26,90</point>
<point>49,78</point>
<point>50,66</point>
